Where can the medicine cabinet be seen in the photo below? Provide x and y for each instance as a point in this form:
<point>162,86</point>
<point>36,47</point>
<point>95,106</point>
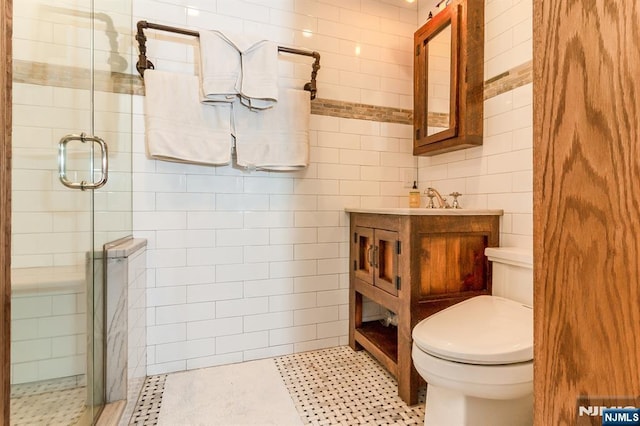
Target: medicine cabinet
<point>449,79</point>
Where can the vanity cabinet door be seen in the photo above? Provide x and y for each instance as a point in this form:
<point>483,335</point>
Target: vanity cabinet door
<point>385,259</point>
<point>376,258</point>
<point>363,247</point>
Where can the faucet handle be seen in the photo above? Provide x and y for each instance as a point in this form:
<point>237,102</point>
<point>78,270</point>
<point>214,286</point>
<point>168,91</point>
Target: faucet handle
<point>455,204</point>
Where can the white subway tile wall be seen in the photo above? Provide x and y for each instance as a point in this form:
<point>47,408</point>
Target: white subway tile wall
<point>508,35</point>
<point>48,334</point>
<point>244,265</point>
<point>498,174</point>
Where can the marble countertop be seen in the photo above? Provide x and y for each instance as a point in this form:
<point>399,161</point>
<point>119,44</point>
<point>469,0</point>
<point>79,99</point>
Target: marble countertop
<point>421,211</point>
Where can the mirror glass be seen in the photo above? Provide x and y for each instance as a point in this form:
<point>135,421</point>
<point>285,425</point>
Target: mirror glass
<point>439,81</point>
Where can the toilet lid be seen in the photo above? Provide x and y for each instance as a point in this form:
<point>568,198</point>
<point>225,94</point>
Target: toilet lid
<point>480,330</point>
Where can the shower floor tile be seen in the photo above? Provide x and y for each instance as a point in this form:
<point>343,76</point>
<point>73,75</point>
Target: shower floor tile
<point>328,387</point>
<point>44,386</point>
<point>57,407</point>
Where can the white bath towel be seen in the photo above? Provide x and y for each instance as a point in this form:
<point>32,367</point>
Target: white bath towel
<point>259,87</point>
<point>220,67</point>
<point>234,64</point>
<point>179,127</point>
<point>276,138</point>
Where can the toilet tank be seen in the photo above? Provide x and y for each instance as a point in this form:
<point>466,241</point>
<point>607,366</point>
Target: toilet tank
<point>512,273</point>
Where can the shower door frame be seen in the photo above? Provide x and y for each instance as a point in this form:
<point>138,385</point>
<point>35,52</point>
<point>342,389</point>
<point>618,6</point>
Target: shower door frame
<point>6,7</point>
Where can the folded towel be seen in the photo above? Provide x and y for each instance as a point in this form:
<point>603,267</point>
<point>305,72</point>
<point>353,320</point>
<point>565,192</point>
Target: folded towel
<point>179,127</point>
<point>232,64</point>
<point>220,67</point>
<point>276,138</point>
<point>259,87</point>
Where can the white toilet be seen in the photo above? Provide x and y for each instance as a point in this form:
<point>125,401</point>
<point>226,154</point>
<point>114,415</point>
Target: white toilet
<point>477,356</point>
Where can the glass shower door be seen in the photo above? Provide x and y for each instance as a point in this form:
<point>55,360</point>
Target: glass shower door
<point>63,213</point>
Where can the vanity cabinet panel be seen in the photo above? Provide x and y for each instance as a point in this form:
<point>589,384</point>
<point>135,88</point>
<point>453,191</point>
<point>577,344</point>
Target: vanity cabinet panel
<point>414,266</point>
<point>452,263</point>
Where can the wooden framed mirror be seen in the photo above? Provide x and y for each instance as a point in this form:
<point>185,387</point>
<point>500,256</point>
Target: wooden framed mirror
<point>448,79</point>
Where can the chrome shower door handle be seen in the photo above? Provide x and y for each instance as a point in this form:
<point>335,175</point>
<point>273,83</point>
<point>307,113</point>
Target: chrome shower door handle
<point>62,162</point>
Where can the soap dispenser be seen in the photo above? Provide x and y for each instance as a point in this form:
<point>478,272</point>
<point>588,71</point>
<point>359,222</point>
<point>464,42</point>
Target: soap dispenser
<point>414,196</point>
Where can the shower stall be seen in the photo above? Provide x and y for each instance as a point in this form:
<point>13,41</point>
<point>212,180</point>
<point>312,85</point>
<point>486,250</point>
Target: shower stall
<point>71,194</point>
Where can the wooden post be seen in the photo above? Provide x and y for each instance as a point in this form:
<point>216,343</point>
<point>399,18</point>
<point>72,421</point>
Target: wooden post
<point>5,207</point>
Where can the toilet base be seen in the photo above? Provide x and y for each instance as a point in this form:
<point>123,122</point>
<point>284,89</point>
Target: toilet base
<point>450,408</point>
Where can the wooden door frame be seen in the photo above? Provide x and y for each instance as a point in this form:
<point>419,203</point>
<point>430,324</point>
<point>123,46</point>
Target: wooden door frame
<point>5,207</point>
<point>586,225</point>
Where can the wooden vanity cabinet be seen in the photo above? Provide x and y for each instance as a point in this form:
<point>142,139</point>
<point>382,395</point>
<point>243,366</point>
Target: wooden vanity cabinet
<point>414,265</point>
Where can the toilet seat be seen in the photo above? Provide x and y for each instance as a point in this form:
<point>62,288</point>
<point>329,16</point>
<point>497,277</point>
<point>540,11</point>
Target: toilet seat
<point>485,330</point>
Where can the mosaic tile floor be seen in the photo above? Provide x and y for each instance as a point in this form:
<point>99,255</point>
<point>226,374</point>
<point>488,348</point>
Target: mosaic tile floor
<point>44,386</point>
<point>58,407</point>
<point>335,386</point>
<point>147,410</point>
<point>340,386</point>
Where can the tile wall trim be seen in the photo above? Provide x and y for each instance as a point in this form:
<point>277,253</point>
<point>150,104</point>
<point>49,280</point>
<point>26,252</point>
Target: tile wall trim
<point>79,78</point>
<point>508,80</point>
<point>438,119</point>
<point>358,111</point>
<point>75,78</point>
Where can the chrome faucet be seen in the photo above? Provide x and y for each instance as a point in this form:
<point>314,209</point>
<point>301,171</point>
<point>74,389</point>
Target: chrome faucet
<point>442,202</point>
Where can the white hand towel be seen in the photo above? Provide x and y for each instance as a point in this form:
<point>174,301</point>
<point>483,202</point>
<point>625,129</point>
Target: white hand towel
<point>233,64</point>
<point>179,127</point>
<point>259,87</point>
<point>276,138</point>
<point>220,67</point>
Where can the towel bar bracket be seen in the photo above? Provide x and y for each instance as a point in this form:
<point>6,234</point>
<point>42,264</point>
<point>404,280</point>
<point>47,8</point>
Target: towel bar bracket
<point>145,64</point>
